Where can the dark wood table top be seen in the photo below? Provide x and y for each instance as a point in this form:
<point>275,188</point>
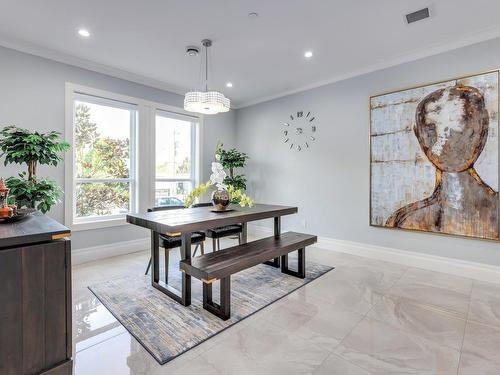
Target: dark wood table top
<point>200,218</point>
<point>35,228</point>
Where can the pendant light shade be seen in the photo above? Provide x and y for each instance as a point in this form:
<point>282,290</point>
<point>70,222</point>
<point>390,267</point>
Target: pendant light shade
<point>206,102</point>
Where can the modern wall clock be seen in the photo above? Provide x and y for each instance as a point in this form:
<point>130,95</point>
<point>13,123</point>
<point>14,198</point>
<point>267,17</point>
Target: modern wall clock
<point>299,131</point>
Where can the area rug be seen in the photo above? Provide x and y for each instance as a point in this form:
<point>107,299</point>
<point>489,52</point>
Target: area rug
<point>167,329</point>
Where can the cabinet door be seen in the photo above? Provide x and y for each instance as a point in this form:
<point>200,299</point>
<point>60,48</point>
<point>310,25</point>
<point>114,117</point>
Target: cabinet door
<point>37,325</point>
<point>10,313</point>
<point>55,303</point>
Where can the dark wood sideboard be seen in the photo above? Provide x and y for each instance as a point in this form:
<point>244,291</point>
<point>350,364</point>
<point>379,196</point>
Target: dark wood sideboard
<point>35,298</point>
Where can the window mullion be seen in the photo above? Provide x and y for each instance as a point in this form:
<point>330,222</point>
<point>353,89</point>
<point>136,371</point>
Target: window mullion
<point>174,179</point>
<point>133,161</point>
<point>102,180</point>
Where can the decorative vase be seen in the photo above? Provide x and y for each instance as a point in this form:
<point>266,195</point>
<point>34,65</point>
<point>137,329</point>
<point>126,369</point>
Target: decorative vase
<point>221,199</point>
<point>5,210</point>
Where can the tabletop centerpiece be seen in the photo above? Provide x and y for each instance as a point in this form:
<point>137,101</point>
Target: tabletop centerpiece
<point>224,193</point>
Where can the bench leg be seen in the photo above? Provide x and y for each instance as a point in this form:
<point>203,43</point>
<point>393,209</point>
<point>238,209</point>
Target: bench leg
<point>301,269</point>
<point>222,310</point>
<point>273,263</point>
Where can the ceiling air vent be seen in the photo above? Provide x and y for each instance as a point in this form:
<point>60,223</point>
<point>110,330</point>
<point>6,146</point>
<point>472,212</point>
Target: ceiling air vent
<point>419,15</point>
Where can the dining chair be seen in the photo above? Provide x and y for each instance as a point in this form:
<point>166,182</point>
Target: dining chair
<point>171,241</point>
<point>217,233</point>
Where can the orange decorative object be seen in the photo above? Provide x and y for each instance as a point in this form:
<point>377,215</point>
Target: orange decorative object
<point>5,210</point>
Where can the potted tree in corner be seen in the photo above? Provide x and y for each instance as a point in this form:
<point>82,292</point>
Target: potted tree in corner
<point>22,146</point>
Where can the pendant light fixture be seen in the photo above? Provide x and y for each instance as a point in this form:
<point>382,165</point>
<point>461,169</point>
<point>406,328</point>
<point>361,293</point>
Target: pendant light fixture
<point>206,102</point>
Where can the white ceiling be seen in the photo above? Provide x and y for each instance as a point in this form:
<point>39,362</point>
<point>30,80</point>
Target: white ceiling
<point>144,41</point>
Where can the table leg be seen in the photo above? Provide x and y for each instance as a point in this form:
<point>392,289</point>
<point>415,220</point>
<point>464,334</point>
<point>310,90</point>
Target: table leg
<point>183,296</point>
<point>186,279</point>
<point>244,233</point>
<point>155,257</point>
<point>277,234</point>
<point>277,227</point>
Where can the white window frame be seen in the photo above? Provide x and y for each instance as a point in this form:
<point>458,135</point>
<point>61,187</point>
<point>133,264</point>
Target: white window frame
<point>142,151</point>
<point>195,159</point>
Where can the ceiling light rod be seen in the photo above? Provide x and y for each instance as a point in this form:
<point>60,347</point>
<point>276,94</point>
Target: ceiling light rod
<point>206,43</point>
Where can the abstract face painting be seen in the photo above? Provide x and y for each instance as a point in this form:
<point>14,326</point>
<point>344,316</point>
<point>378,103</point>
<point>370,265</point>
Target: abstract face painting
<point>434,158</point>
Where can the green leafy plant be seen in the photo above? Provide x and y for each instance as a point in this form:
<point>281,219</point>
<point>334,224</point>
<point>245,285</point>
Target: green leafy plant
<point>231,160</point>
<point>37,193</point>
<point>22,146</point>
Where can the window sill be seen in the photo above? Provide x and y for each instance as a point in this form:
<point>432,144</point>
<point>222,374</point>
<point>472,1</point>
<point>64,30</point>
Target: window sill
<point>98,224</point>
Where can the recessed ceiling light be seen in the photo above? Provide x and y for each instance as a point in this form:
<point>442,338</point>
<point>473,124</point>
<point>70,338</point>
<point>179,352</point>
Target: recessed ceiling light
<point>84,32</point>
<point>229,84</point>
<point>308,54</point>
<point>253,14</point>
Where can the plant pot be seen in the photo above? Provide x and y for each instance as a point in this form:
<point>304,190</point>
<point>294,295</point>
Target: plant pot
<point>221,199</point>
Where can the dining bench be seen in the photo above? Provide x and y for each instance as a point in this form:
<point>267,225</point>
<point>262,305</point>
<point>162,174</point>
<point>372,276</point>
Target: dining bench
<point>222,264</point>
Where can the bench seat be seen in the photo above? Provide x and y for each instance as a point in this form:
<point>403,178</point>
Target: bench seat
<point>222,264</point>
<point>226,262</point>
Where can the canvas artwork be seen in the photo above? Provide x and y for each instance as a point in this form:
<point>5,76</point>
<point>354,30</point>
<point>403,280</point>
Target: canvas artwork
<point>434,158</point>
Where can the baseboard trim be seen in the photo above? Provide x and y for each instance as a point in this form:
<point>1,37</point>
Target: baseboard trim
<point>89,254</point>
<point>472,270</point>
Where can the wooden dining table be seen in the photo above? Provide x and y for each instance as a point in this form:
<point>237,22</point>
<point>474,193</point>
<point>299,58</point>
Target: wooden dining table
<point>188,220</point>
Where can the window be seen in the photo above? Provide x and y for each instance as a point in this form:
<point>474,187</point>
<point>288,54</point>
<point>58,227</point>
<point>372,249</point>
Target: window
<point>175,167</point>
<point>127,155</point>
<point>104,163</point>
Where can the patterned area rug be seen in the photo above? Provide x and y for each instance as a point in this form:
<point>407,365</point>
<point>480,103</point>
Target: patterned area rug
<point>167,329</point>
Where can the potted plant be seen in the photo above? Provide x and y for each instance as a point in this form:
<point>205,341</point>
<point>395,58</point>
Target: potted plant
<point>22,146</point>
<point>224,192</point>
<point>231,160</point>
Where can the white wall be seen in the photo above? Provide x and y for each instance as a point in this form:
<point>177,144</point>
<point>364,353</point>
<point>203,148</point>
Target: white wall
<point>330,181</point>
<point>32,96</point>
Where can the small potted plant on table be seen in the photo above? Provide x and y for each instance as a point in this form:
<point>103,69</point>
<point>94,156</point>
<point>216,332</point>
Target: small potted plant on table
<point>227,188</point>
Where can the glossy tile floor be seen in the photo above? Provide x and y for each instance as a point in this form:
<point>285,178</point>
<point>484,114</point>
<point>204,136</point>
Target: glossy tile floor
<point>365,317</point>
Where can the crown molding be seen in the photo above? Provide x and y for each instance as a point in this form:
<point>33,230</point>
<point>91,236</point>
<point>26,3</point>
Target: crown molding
<point>47,53</point>
<point>50,54</point>
<point>481,36</point>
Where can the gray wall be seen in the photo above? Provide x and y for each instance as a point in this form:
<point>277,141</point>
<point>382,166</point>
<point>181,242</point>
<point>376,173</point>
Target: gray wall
<point>32,96</point>
<point>330,181</point>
